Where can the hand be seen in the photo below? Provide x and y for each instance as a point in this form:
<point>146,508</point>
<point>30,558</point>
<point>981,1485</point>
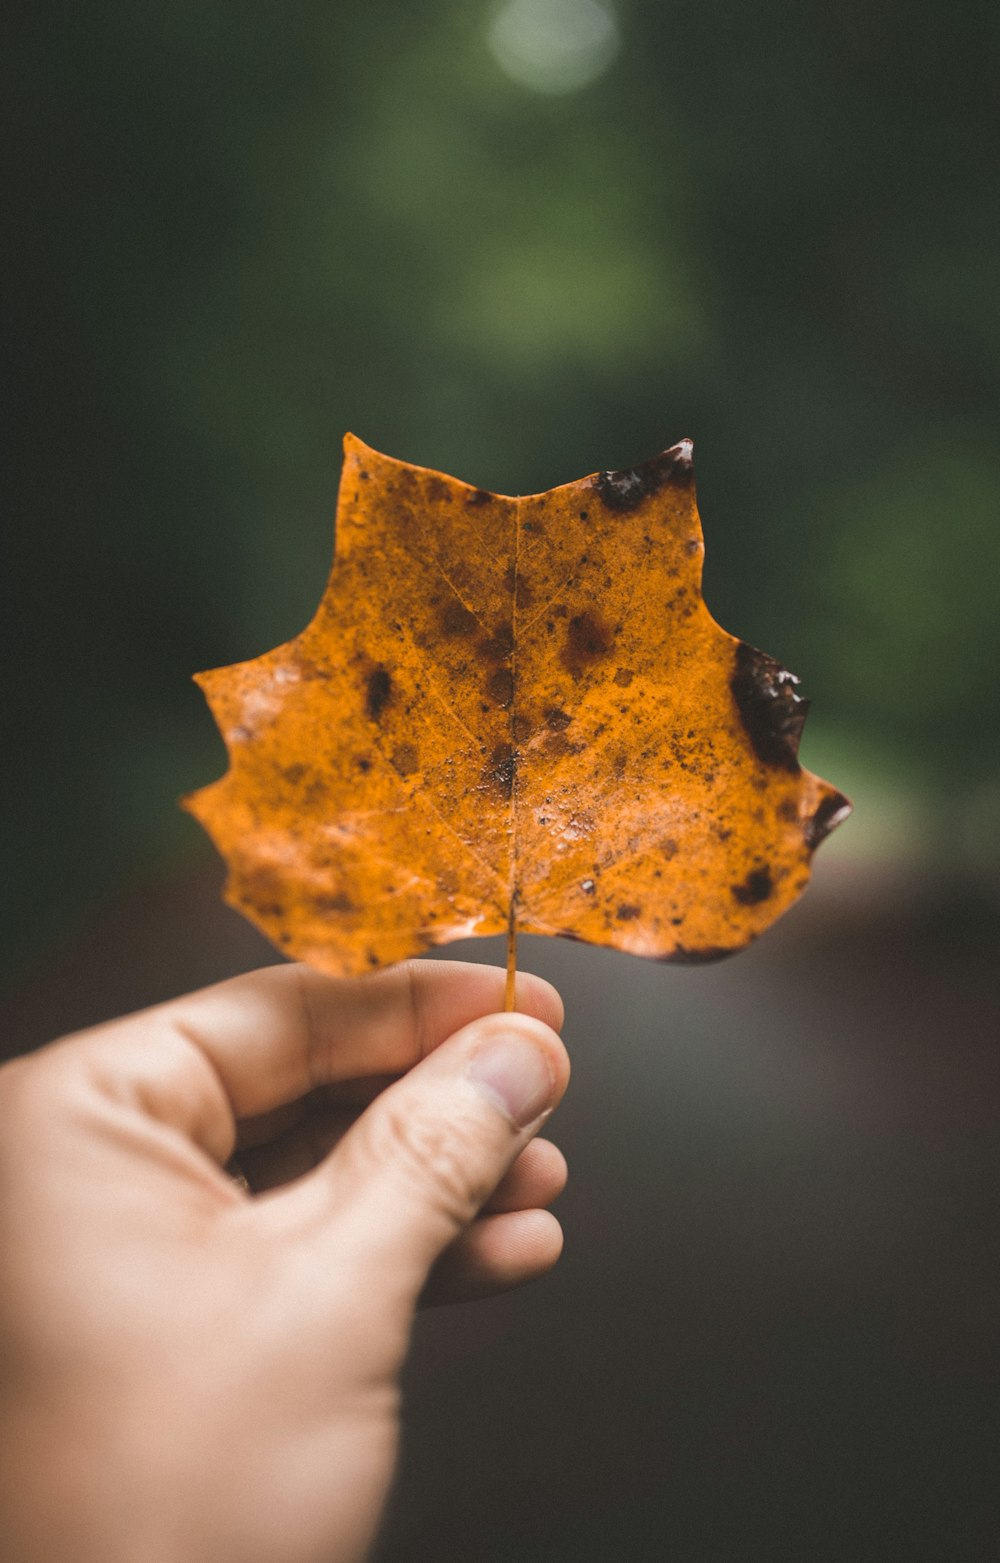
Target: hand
<point>192,1373</point>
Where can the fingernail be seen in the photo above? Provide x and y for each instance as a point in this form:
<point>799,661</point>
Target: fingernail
<point>515,1076</point>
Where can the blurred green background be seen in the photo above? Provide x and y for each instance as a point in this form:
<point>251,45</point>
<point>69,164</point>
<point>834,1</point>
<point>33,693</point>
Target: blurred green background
<point>522,242</point>
<point>517,243</point>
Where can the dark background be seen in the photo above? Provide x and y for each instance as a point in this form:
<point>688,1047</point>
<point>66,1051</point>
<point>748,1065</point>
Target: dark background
<point>521,243</point>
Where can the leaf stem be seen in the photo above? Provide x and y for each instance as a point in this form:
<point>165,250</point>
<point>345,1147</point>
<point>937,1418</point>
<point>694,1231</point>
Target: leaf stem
<point>508,997</point>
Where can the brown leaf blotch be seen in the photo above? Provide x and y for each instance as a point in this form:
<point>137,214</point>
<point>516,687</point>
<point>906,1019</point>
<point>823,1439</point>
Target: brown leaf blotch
<point>378,692</point>
<point>405,759</point>
<point>500,769</point>
<point>758,886</point>
<point>558,744</point>
<point>498,646</point>
<point>456,619</point>
<point>628,488</point>
<point>832,811</point>
<point>588,640</point>
<point>333,905</point>
<point>770,710</point>
<point>500,687</point>
<point>702,955</point>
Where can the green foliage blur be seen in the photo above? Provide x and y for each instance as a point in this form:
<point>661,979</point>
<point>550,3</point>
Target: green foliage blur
<point>236,229</point>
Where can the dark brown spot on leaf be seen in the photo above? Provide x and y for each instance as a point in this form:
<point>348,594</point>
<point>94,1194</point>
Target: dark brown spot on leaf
<point>500,687</point>
<point>624,677</point>
<point>557,720</point>
<point>308,669</point>
<point>559,744</point>
<point>628,913</point>
<point>457,619</point>
<point>379,692</point>
<point>405,759</point>
<point>498,646</point>
<point>697,956</point>
<point>770,710</point>
<point>757,886</point>
<point>500,768</point>
<point>625,490</point>
<point>588,640</point>
<point>264,890</point>
<point>832,812</point>
<point>329,905</point>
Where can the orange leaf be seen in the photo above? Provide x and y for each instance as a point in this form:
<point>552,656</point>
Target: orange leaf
<point>513,711</point>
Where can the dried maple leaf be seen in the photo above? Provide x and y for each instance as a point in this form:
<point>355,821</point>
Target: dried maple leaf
<point>513,714</point>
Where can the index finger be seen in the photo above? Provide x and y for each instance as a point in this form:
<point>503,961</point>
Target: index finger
<point>256,1042</point>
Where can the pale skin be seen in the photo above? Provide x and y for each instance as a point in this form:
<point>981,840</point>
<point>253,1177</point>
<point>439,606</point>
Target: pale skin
<point>197,1371</point>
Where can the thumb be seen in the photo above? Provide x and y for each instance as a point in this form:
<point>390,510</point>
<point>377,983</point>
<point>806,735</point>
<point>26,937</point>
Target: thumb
<point>421,1160</point>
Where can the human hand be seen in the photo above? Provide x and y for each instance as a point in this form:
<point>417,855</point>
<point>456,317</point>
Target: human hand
<point>191,1373</point>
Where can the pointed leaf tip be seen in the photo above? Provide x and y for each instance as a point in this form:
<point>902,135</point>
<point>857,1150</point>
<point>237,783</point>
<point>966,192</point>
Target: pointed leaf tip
<point>833,810</point>
<point>630,487</point>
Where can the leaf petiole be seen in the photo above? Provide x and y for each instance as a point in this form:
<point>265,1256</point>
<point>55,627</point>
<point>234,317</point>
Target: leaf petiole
<point>508,997</point>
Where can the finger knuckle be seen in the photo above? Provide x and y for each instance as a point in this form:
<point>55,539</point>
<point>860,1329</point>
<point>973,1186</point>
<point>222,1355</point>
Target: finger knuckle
<point>439,1162</point>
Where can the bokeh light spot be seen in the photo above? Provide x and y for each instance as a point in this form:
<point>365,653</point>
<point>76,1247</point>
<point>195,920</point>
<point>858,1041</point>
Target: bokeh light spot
<point>554,46</point>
